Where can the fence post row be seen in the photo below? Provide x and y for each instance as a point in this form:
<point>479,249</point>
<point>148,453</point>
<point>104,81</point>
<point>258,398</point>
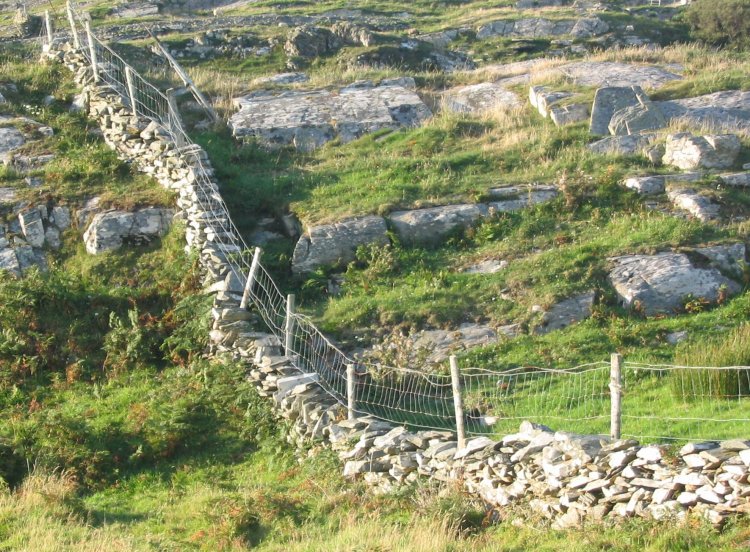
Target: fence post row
<point>92,52</point>
<point>615,390</point>
<point>351,390</point>
<point>458,404</point>
<point>251,278</point>
<point>289,326</point>
<point>72,21</point>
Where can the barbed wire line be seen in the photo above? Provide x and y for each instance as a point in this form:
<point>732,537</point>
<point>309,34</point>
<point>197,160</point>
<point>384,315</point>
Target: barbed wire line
<point>660,401</point>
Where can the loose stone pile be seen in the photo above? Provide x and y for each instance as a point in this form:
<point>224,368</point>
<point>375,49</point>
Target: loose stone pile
<point>566,478</point>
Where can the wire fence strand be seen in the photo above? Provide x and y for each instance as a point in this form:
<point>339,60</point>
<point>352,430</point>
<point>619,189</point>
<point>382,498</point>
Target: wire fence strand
<point>661,402</point>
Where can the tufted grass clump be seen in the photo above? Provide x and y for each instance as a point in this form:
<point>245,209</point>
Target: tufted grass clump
<point>729,351</point>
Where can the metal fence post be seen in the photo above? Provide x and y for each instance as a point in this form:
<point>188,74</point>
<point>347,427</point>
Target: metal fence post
<point>458,403</point>
<point>251,278</point>
<point>289,326</point>
<point>72,21</point>
<point>48,26</point>
<point>615,391</point>
<point>131,90</point>
<point>351,390</point>
<point>92,52</point>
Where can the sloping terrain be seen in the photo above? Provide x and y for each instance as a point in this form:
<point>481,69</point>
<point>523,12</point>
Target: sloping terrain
<point>502,224</point>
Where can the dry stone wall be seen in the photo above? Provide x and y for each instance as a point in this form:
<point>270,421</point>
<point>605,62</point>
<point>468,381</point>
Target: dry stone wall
<point>564,477</point>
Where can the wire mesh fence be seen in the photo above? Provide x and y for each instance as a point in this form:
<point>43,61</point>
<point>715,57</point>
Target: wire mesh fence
<point>655,401</point>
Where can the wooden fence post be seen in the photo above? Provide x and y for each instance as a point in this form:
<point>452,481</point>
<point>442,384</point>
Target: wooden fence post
<point>92,52</point>
<point>458,403</point>
<point>73,29</point>
<point>251,278</point>
<point>48,26</point>
<point>289,326</point>
<point>351,390</point>
<point>131,90</point>
<point>615,391</point>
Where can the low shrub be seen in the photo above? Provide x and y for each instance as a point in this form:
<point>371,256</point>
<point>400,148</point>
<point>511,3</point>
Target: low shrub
<point>720,23</point>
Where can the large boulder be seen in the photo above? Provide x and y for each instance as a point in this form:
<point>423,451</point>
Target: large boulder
<point>111,229</point>
<point>337,243</point>
<point>309,119</point>
<point>311,42</point>
<point>634,119</point>
<point>610,100</point>
<point>689,152</point>
<point>663,282</point>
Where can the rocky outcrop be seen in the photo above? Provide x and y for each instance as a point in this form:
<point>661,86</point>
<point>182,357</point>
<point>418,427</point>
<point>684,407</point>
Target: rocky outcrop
<point>569,114</point>
<point>623,110</point>
<point>662,283</point>
<point>110,230</point>
<point>10,140</point>
<point>428,226</point>
<point>336,244</point>
<point>657,184</point>
<point>311,42</point>
<point>567,312</point>
<point>689,152</point>
<point>480,98</point>
<point>727,111</point>
<point>615,74</point>
<point>309,119</point>
<point>623,145</point>
<point>537,27</point>
<point>690,200</point>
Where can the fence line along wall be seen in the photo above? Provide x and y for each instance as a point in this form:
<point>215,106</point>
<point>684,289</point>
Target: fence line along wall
<point>561,476</point>
<point>589,399</point>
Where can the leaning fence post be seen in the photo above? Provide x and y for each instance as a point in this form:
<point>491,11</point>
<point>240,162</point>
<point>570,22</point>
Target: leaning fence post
<point>73,29</point>
<point>351,390</point>
<point>289,326</point>
<point>251,278</point>
<point>48,26</point>
<point>615,390</point>
<point>131,90</point>
<point>458,402</point>
<point>92,52</point>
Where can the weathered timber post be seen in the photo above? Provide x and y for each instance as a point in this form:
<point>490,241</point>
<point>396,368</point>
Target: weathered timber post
<point>289,326</point>
<point>131,90</point>
<point>73,29</point>
<point>48,27</point>
<point>615,393</point>
<point>251,278</point>
<point>351,390</point>
<point>92,52</point>
<point>458,402</point>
